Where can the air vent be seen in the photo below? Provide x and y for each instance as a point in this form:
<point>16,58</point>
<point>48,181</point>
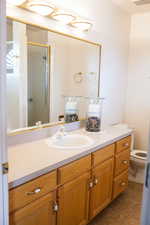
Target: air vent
<point>141,2</point>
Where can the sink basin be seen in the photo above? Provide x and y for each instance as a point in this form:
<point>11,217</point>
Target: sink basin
<point>70,141</point>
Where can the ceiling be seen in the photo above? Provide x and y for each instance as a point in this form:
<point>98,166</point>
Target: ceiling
<point>131,7</point>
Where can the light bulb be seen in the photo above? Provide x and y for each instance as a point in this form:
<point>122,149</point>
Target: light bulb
<point>82,25</point>
<point>63,16</point>
<point>41,7</point>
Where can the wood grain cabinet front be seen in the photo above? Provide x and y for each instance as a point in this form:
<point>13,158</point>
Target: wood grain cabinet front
<point>103,154</point>
<point>74,193</point>
<point>101,193</point>
<point>123,144</point>
<point>73,199</point>
<point>30,191</point>
<point>120,184</point>
<point>122,162</point>
<point>74,169</point>
<point>39,212</point>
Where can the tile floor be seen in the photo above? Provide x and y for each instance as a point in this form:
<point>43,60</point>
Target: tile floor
<point>125,210</point>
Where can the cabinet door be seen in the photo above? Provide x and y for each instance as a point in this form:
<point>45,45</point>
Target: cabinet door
<point>40,212</point>
<point>101,193</point>
<point>74,201</point>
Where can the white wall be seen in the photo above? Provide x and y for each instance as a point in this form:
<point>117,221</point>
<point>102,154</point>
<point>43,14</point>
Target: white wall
<point>17,80</point>
<point>111,29</point>
<point>69,57</point>
<point>138,91</point>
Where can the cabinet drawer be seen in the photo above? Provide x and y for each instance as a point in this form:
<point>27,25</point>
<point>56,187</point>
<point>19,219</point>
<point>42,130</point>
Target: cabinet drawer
<point>120,184</point>
<point>103,154</point>
<point>26,193</point>
<point>74,169</point>
<point>38,212</point>
<point>123,144</point>
<point>122,161</point>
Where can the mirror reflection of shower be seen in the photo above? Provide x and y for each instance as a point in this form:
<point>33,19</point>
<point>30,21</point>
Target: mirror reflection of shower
<point>38,83</point>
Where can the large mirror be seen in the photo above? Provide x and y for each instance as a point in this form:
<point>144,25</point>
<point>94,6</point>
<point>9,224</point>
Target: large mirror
<point>42,68</point>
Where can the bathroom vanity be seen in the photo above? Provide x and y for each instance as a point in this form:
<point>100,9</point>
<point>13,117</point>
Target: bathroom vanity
<point>76,188</point>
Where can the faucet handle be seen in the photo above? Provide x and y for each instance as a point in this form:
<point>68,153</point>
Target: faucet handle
<point>62,128</point>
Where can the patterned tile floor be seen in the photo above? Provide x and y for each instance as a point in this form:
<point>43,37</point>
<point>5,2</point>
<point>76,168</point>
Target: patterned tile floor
<point>125,210</point>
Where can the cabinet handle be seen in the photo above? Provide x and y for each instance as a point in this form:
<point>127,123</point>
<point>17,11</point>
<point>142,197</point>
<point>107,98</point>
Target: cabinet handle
<point>36,191</point>
<point>126,144</point>
<point>125,162</point>
<point>96,181</point>
<point>91,184</point>
<point>123,184</point>
<point>55,207</point>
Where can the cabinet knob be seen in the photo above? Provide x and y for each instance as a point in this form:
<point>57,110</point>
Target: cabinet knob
<point>91,184</point>
<point>125,162</point>
<point>123,184</point>
<point>96,181</point>
<point>55,207</point>
<point>126,144</point>
<point>36,191</point>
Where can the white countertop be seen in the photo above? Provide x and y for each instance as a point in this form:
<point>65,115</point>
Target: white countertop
<point>30,160</point>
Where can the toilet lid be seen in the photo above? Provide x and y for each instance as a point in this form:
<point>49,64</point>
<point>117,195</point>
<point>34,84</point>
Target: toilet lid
<point>139,154</point>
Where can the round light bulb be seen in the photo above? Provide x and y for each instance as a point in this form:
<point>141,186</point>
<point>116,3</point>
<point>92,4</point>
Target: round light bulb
<point>82,25</point>
<point>63,17</point>
<point>16,2</point>
<point>42,8</point>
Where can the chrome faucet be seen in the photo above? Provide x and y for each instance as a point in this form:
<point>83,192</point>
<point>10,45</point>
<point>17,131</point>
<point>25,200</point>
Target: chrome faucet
<point>61,132</point>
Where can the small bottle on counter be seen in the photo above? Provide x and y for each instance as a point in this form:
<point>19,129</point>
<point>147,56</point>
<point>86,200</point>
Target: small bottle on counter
<point>93,121</point>
<point>71,109</point>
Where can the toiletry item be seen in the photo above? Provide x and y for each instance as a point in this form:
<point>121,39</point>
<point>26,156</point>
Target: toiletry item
<point>93,122</point>
<point>71,111</point>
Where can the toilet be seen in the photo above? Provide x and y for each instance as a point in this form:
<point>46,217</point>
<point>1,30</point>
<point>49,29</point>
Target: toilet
<point>137,165</point>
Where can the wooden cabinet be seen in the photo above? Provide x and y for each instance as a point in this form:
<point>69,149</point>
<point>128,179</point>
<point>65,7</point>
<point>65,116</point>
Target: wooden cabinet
<point>73,199</point>
<point>122,162</point>
<point>74,169</point>
<point>123,144</point>
<point>75,193</point>
<point>122,158</point>
<point>120,184</point>
<point>25,194</point>
<point>103,154</point>
<point>39,212</point>
<point>101,193</point>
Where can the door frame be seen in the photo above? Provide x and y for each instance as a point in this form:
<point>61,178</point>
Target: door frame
<point>145,217</point>
<point>3,129</point>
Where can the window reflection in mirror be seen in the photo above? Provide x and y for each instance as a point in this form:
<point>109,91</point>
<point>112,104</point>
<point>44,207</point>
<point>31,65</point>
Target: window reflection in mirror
<point>42,68</point>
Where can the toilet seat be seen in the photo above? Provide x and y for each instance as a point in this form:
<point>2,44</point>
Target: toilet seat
<point>137,154</point>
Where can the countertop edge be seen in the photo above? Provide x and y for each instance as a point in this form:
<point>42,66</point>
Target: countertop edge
<point>48,169</point>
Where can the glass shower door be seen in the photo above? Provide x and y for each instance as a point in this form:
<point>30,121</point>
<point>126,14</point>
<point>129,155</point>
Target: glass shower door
<point>38,83</point>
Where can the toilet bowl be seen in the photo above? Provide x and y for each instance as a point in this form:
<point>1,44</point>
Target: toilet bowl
<point>138,157</point>
<point>137,165</point>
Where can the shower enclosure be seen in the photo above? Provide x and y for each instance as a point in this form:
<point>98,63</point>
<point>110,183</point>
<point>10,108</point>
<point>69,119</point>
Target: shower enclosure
<point>38,83</point>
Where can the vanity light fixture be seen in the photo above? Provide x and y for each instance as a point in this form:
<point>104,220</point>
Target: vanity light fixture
<point>43,8</point>
<point>82,25</point>
<point>63,16</point>
<point>16,2</point>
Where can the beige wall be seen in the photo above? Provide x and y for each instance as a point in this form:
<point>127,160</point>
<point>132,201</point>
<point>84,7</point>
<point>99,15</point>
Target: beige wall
<point>138,90</point>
